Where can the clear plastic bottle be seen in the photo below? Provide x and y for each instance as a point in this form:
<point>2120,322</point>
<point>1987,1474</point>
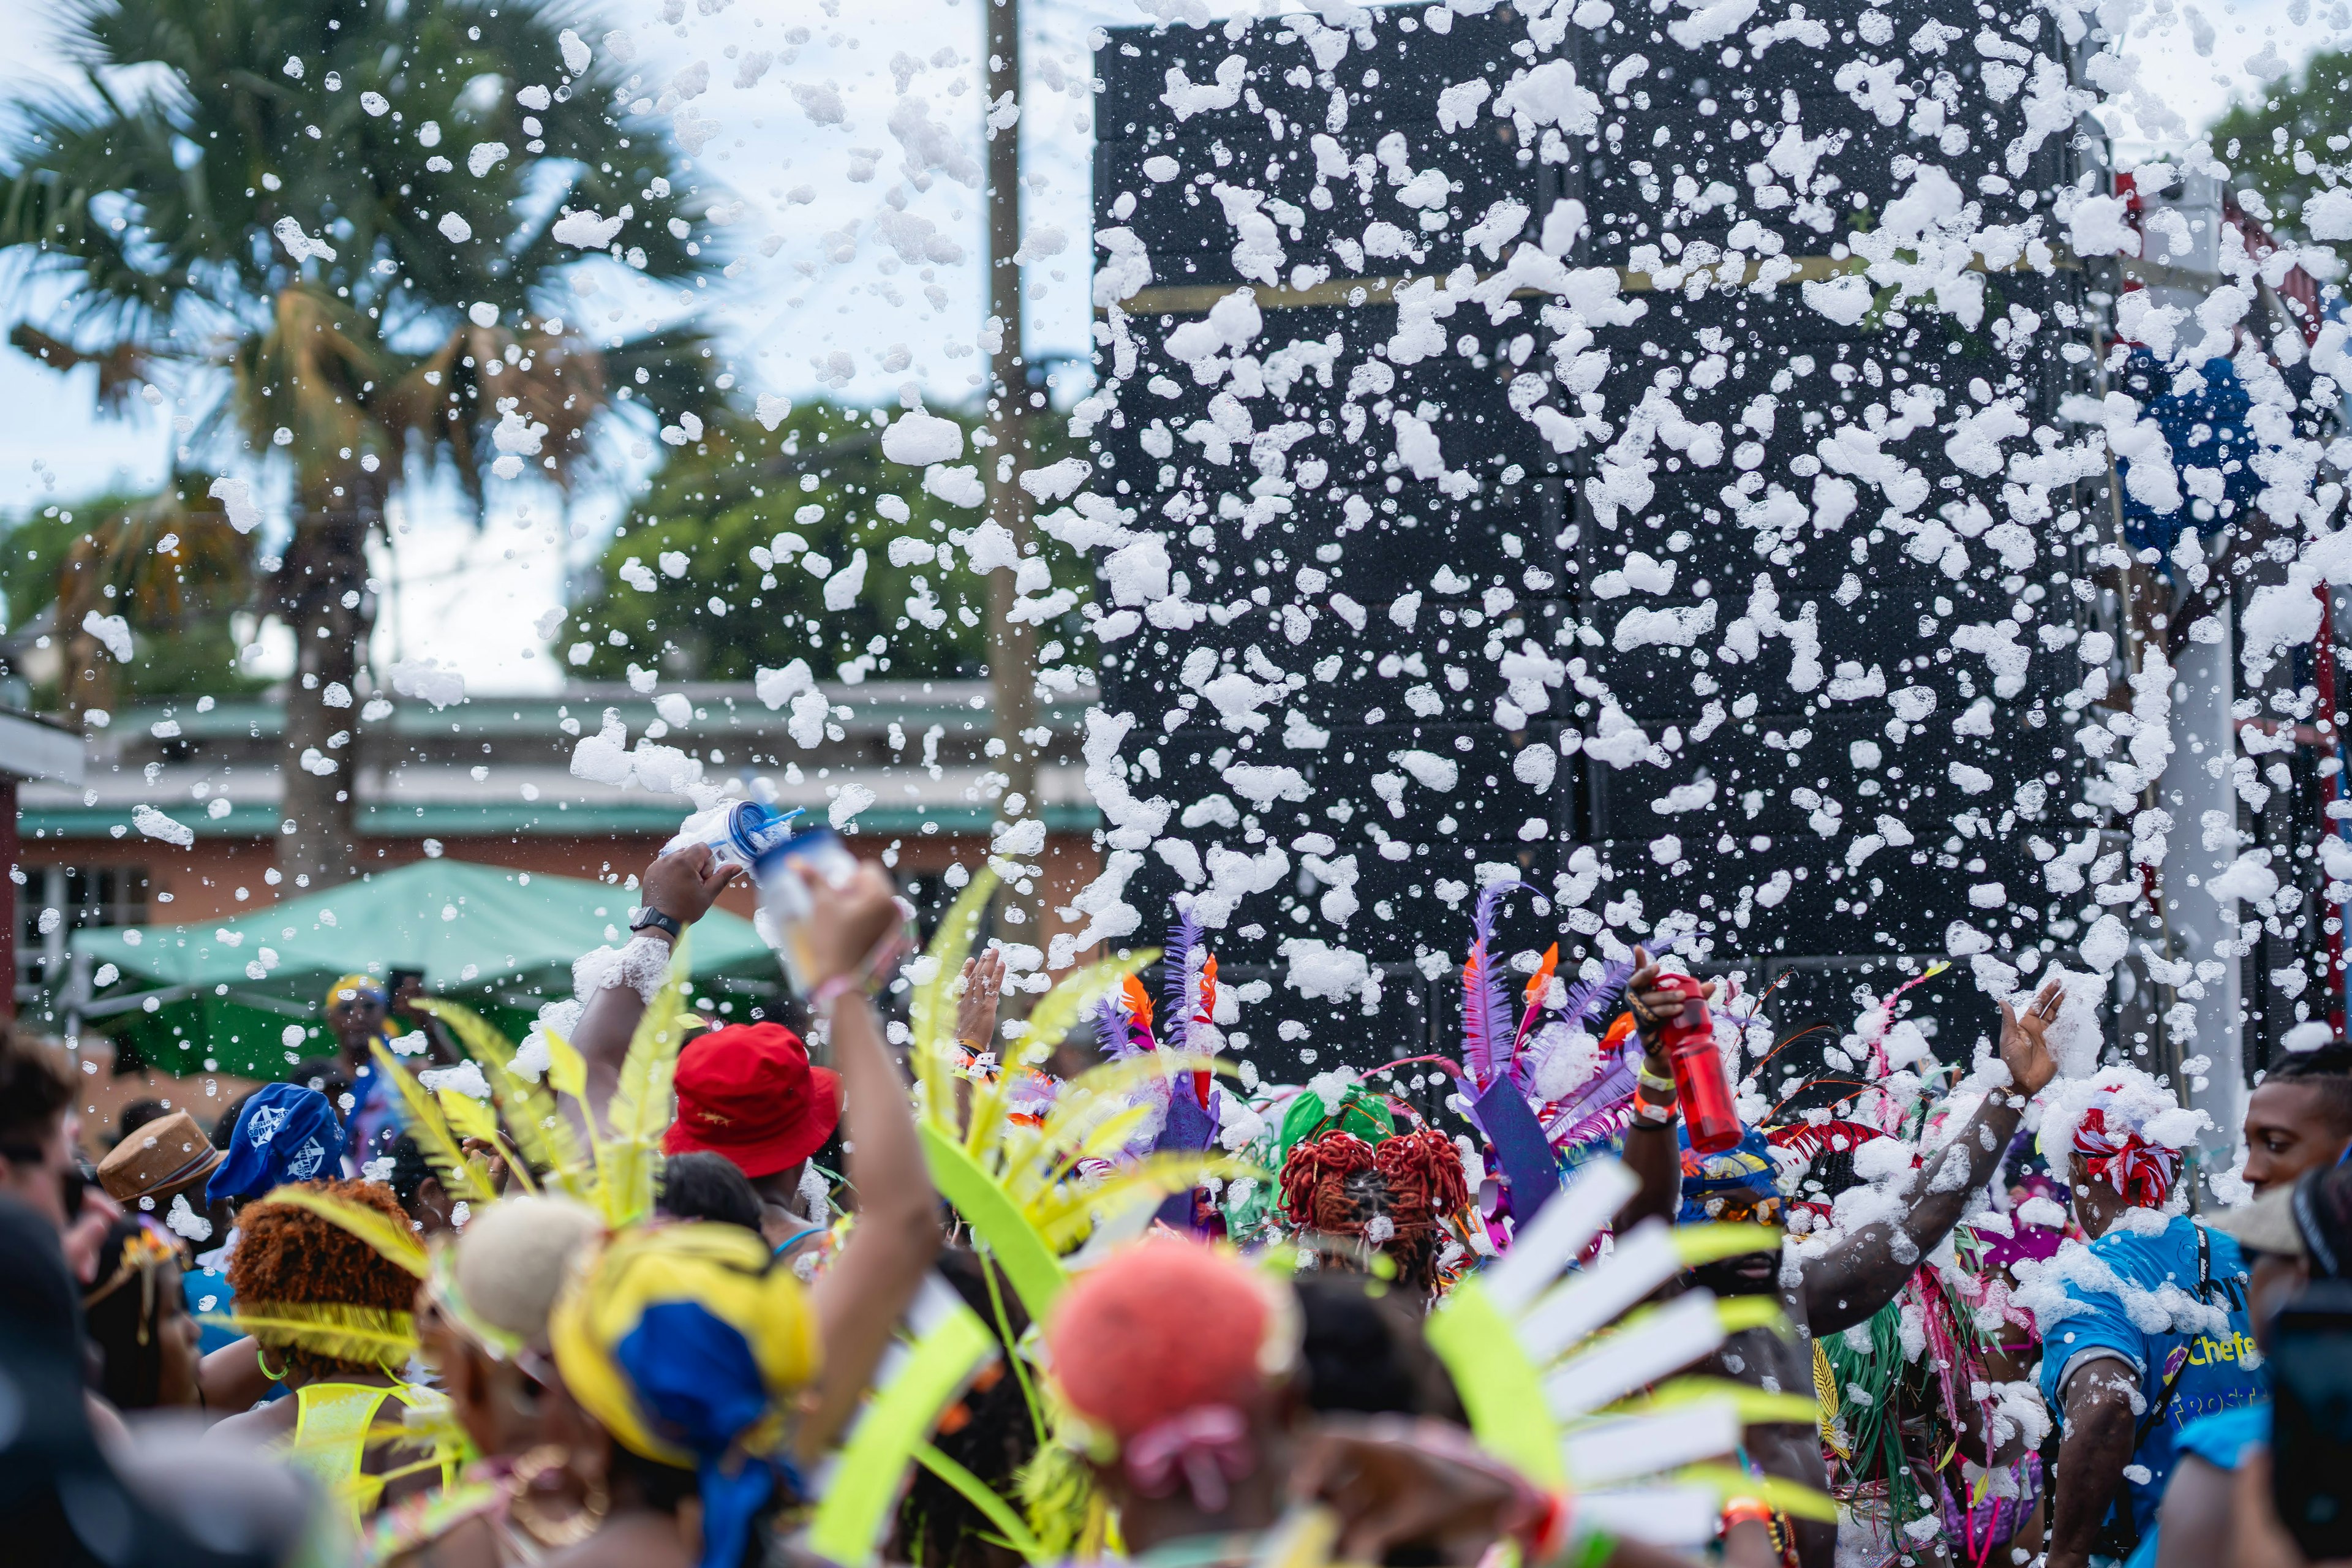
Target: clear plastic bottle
<point>747,830</point>
<point>785,896</point>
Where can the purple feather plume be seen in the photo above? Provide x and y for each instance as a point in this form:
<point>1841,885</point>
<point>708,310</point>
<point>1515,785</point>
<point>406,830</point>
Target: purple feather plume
<point>1111,1033</point>
<point>1176,1018</point>
<point>1486,1023</point>
<point>1605,1122</point>
<point>1598,1102</point>
<point>1586,997</point>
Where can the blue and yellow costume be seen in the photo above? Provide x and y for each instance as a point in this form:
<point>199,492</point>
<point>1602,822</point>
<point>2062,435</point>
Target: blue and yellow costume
<point>690,1346</point>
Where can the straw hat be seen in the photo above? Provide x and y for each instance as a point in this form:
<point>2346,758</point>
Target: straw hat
<point>166,1155</point>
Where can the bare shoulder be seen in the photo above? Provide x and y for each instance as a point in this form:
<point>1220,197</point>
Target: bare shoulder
<point>262,1424</point>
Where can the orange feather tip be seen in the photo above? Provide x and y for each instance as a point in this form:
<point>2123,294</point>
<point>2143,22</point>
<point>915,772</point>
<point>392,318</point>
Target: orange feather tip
<point>1541,981</point>
<point>1138,1000</point>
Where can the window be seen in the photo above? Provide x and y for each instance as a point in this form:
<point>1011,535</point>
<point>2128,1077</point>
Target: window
<point>84,898</point>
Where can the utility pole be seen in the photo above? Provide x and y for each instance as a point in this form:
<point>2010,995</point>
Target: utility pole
<point>1012,646</point>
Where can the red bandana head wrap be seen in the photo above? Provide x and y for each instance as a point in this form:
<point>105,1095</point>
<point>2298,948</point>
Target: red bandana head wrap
<point>2141,1170</point>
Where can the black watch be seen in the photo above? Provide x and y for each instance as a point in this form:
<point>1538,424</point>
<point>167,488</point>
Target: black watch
<point>650,919</point>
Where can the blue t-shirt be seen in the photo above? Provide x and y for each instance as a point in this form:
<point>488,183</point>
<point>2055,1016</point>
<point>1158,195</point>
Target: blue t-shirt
<point>208,1294</point>
<point>2220,1441</point>
<point>2212,1374</point>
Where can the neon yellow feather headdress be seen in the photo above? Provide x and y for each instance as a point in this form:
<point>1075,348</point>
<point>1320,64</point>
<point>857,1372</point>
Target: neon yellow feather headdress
<point>1014,1173</point>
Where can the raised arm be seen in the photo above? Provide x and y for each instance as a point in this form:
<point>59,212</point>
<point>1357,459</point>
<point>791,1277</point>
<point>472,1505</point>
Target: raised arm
<point>1652,1152</point>
<point>983,983</point>
<point>682,886</point>
<point>859,1299</point>
<point>1860,1274</point>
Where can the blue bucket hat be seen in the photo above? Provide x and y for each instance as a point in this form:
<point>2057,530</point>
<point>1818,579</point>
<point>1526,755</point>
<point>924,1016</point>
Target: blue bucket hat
<point>285,1134</point>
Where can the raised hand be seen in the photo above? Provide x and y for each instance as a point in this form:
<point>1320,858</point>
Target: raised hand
<point>1393,1482</point>
<point>2024,1047</point>
<point>685,885</point>
<point>983,983</point>
<point>1652,1004</point>
<point>850,920</point>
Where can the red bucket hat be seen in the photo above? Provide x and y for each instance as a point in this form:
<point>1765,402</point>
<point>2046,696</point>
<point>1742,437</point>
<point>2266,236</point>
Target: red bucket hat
<point>748,1092</point>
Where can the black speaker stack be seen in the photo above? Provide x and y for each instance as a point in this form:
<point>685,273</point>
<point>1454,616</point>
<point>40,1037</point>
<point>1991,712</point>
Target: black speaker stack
<point>1791,804</point>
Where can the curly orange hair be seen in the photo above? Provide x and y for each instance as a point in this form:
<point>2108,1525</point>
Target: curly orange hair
<point>290,1255</point>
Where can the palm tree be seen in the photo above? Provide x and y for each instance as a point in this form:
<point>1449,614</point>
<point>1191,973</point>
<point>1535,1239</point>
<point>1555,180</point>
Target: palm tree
<point>342,218</point>
<point>163,562</point>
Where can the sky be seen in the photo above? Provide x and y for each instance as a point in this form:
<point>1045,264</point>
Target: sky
<point>797,323</point>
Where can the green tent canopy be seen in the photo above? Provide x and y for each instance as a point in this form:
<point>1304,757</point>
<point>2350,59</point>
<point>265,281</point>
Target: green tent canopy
<point>219,995</point>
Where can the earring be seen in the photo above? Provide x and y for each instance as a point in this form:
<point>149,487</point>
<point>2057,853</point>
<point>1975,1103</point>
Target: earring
<point>525,1507</point>
<point>261,1357</point>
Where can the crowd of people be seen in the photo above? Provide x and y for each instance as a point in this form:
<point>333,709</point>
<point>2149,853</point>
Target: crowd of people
<point>967,1291</point>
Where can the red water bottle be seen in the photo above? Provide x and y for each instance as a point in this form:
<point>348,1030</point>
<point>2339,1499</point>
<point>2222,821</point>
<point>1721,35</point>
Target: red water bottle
<point>1688,1040</point>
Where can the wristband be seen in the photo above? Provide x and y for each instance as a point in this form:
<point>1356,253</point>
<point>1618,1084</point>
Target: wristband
<point>648,918</point>
<point>1646,1114</point>
<point>1659,1082</point>
<point>823,998</point>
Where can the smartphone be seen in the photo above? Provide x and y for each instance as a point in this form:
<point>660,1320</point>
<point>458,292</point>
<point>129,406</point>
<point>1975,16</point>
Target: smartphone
<point>2311,1431</point>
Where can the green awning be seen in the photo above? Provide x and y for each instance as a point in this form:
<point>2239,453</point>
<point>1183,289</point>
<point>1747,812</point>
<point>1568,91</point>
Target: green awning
<point>219,995</point>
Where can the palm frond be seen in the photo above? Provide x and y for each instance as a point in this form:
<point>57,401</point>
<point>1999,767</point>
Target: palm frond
<point>423,1119</point>
<point>567,1070</point>
<point>931,1008</point>
<point>468,1117</point>
<point>539,1132</point>
<point>123,367</point>
<point>640,1109</point>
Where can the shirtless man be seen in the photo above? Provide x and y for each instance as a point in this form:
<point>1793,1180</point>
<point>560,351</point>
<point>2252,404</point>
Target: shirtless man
<point>1860,1273</point>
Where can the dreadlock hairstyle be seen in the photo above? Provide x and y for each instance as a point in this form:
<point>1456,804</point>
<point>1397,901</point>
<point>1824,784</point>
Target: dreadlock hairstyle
<point>1394,1195</point>
<point>2327,1070</point>
<point>293,1264</point>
